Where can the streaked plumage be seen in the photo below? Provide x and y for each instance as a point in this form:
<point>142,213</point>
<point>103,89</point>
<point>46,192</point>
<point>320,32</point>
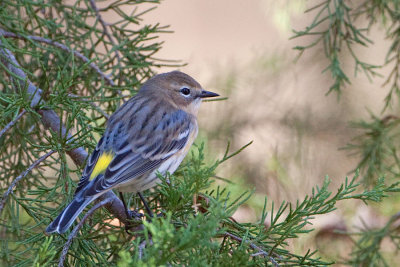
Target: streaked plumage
<point>152,132</point>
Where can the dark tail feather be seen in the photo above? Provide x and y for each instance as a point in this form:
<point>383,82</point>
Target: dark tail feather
<point>68,215</point>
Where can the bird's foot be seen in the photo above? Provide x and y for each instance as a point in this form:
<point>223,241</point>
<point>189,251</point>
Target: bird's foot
<point>135,222</point>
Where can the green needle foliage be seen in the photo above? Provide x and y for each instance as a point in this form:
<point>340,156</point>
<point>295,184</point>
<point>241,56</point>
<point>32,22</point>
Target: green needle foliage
<point>341,26</point>
<point>194,226</point>
<point>378,147</point>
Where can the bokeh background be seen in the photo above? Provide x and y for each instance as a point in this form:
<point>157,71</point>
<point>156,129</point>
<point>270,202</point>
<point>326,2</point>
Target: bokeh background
<point>243,50</point>
<point>275,99</point>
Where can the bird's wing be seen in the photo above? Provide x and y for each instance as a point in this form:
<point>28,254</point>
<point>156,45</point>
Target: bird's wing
<point>90,165</point>
<point>128,151</point>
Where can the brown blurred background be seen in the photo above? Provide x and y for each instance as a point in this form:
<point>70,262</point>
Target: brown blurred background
<point>241,49</point>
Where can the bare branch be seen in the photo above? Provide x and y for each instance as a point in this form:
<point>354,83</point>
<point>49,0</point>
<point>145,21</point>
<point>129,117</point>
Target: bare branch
<point>78,227</point>
<point>63,47</point>
<point>20,177</point>
<point>11,123</point>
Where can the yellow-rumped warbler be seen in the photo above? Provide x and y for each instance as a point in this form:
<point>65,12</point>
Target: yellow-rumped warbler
<point>152,132</point>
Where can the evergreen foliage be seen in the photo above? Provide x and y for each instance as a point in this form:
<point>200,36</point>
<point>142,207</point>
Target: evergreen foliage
<point>340,27</point>
<point>83,68</point>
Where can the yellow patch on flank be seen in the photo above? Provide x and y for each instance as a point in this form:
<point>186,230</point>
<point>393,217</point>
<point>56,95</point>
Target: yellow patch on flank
<point>101,164</point>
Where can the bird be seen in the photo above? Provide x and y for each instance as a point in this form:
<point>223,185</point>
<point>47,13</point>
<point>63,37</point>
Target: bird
<point>150,134</point>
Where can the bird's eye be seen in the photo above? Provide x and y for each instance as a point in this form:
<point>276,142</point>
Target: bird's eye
<point>185,91</point>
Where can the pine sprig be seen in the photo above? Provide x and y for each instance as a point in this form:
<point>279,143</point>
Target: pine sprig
<point>334,27</point>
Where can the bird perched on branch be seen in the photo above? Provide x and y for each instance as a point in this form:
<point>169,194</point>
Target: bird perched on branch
<point>151,133</point>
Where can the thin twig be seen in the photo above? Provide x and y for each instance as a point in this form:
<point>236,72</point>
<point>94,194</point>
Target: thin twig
<point>18,76</point>
<point>258,254</point>
<point>78,227</point>
<point>21,176</point>
<point>253,246</point>
<point>52,121</point>
<point>109,36</point>
<point>63,47</point>
<point>105,30</point>
<point>11,123</point>
<point>99,109</point>
<point>142,246</point>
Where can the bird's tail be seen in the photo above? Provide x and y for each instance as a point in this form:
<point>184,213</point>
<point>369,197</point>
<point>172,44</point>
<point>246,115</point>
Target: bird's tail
<point>69,214</point>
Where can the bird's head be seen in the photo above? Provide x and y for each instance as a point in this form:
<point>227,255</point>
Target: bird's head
<point>179,89</point>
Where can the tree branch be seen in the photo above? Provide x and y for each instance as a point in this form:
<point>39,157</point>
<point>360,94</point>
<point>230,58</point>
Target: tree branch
<point>61,46</point>
<point>11,123</point>
<point>96,107</point>
<point>109,36</point>
<point>18,76</point>
<point>253,246</point>
<point>78,227</point>
<point>105,30</point>
<point>51,120</point>
<point>22,175</point>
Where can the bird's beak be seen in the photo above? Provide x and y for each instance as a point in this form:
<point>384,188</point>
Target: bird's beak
<point>205,94</point>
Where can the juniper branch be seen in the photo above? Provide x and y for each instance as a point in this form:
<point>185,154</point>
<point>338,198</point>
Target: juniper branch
<point>99,109</point>
<point>260,251</point>
<point>51,120</point>
<point>11,123</point>
<point>74,232</point>
<point>21,176</point>
<point>105,29</point>
<point>18,76</point>
<point>61,46</point>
